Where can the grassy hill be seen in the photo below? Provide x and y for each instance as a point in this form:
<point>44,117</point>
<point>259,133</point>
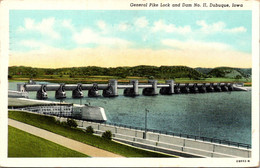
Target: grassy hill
<point>245,71</point>
<point>227,72</point>
<point>203,70</point>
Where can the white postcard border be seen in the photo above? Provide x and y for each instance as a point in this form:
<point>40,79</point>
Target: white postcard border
<point>5,6</point>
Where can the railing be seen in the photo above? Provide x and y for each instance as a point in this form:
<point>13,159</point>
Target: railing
<point>194,137</point>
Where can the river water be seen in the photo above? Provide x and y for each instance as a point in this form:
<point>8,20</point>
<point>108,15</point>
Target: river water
<point>224,115</point>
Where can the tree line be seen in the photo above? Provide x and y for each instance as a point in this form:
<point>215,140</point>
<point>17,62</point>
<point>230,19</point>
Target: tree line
<point>162,72</point>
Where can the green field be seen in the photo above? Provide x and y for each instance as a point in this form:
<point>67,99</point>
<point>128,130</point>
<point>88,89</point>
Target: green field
<point>49,123</point>
<point>23,144</point>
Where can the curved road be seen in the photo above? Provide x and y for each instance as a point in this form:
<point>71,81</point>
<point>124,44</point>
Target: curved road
<point>61,140</point>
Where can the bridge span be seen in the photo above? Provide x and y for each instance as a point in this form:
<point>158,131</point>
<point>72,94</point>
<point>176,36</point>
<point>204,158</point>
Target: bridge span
<point>132,89</point>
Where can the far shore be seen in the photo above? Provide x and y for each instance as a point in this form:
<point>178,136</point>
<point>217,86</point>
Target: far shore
<point>101,79</point>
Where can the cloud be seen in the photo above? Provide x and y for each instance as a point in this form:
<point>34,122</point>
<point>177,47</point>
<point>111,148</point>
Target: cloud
<point>32,44</point>
<point>215,27</point>
<point>88,36</point>
<point>218,27</point>
<point>122,27</point>
<point>102,26</point>
<point>160,25</point>
<point>141,22</point>
<point>67,24</point>
<point>195,45</point>
<point>236,30</point>
<point>35,45</point>
<point>45,27</point>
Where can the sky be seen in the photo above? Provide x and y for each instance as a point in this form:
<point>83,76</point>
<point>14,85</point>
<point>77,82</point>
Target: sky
<point>112,38</point>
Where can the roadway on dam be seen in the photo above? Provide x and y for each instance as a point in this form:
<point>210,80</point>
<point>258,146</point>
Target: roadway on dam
<point>61,140</point>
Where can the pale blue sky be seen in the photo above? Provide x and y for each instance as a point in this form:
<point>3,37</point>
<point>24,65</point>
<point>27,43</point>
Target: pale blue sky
<point>151,29</point>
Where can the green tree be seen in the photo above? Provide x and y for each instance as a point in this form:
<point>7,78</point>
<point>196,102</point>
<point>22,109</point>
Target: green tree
<point>71,123</point>
<point>107,135</point>
<point>238,77</point>
<point>89,130</point>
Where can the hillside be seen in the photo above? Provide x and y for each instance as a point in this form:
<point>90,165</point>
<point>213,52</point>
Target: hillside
<point>245,71</point>
<point>227,72</point>
<point>163,72</point>
<point>203,70</point>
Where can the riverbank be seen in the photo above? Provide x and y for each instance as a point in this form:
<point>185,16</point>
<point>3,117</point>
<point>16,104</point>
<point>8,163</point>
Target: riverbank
<point>104,79</point>
<point>61,140</point>
<point>49,123</point>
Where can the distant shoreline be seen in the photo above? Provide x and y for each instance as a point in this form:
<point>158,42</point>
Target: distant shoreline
<point>127,80</point>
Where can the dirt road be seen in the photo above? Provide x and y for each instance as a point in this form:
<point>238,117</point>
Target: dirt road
<point>61,140</point>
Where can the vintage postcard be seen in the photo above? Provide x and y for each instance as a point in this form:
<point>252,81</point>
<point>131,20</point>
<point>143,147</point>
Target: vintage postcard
<point>135,83</point>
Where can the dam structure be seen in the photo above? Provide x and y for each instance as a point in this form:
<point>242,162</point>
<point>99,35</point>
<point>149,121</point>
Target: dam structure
<point>132,89</point>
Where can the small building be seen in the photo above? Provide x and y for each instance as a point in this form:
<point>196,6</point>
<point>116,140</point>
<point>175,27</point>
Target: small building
<point>82,112</point>
<point>89,113</point>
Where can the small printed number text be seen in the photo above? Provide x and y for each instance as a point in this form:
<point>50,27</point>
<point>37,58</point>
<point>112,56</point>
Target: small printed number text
<point>242,161</point>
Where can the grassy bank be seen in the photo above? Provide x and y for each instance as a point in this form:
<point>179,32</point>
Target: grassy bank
<point>49,123</point>
<point>23,144</point>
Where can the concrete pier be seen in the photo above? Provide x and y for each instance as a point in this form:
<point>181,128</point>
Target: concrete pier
<point>77,93</point>
<point>185,89</point>
<point>217,88</point>
<point>93,92</point>
<point>177,88</point>
<point>151,91</point>
<point>168,90</point>
<point>132,92</point>
<point>224,88</point>
<point>210,88</point>
<point>60,93</point>
<point>42,93</point>
<point>194,88</point>
<point>202,88</point>
<point>111,90</point>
